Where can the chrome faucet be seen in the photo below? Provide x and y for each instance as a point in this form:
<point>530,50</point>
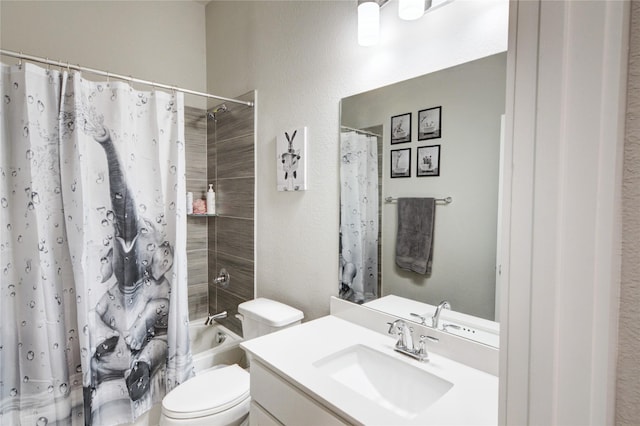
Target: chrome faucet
<point>435,319</point>
<point>223,279</point>
<point>423,319</point>
<point>211,318</point>
<point>402,330</point>
<point>405,341</point>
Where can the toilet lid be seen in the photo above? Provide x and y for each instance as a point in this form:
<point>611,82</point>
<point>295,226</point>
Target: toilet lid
<point>270,312</point>
<point>207,393</point>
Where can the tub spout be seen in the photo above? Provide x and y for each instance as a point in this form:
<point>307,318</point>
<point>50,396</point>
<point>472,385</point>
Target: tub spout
<point>211,318</point>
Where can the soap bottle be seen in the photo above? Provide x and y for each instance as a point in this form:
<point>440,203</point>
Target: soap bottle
<point>211,200</point>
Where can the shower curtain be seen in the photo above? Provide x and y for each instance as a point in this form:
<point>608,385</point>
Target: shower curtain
<point>358,217</point>
<point>93,301</point>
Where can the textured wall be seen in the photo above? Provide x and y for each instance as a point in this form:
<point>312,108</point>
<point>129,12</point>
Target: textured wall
<point>628,382</point>
<point>161,41</point>
<point>302,57</point>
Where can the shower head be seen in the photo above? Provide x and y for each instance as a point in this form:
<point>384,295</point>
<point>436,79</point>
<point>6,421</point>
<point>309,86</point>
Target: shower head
<point>211,115</point>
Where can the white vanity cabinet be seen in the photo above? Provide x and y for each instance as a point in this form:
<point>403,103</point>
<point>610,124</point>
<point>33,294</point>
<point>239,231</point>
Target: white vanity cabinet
<point>275,401</point>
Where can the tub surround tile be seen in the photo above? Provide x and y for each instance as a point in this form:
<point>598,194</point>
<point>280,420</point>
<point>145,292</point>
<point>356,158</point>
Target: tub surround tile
<point>196,166</point>
<point>198,301</point>
<point>197,266</point>
<point>212,162</point>
<point>195,134</point>
<point>196,234</point>
<point>235,157</point>
<point>233,123</point>
<point>235,197</point>
<point>235,237</point>
<point>231,167</point>
<point>195,118</point>
<point>213,268</point>
<point>198,187</point>
<point>242,274</point>
<point>213,235</point>
<point>229,302</point>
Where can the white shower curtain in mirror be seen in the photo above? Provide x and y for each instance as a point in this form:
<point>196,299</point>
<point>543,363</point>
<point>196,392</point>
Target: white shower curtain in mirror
<point>358,217</point>
<point>94,304</point>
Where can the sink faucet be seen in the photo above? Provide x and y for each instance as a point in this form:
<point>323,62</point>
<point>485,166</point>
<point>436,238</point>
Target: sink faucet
<point>405,341</point>
<point>401,329</point>
<point>423,319</point>
<point>435,319</point>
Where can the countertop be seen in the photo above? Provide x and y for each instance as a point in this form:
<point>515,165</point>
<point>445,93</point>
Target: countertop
<point>292,352</point>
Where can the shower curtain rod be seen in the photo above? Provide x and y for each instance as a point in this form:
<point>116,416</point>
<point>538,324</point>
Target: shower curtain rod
<point>360,131</point>
<point>107,74</point>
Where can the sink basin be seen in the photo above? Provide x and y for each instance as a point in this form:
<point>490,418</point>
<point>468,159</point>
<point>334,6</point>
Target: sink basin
<point>393,384</point>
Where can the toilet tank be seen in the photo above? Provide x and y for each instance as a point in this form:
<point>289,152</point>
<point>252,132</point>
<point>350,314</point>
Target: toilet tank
<point>263,316</point>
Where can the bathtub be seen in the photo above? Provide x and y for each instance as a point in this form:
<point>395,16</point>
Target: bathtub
<point>211,346</point>
<point>214,345</point>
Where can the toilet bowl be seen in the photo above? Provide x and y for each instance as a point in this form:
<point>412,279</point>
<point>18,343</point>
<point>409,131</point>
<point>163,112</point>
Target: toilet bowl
<point>220,396</point>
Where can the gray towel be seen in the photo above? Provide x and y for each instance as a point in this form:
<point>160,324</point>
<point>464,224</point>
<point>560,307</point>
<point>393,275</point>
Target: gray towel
<point>414,239</point>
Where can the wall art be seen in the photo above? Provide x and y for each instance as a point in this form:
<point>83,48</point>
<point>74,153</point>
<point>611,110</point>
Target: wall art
<point>430,123</point>
<point>291,147</point>
<point>401,128</point>
<point>428,161</point>
<point>401,163</point>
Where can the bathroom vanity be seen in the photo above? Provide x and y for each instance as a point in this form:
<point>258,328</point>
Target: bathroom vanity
<point>333,371</point>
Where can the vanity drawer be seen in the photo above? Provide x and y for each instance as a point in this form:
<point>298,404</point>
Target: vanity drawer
<point>258,416</point>
<point>283,401</point>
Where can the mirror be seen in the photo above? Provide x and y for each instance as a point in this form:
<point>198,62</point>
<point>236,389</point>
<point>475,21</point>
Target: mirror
<point>436,136</point>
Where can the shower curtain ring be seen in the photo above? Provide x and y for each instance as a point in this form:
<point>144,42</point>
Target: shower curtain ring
<point>108,77</point>
<point>48,63</point>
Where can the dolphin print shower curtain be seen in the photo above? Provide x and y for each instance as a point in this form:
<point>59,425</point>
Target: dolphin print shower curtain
<point>358,217</point>
<point>93,301</point>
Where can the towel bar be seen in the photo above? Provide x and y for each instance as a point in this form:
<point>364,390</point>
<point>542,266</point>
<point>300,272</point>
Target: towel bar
<point>446,200</point>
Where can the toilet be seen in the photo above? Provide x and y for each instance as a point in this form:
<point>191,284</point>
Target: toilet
<point>220,396</point>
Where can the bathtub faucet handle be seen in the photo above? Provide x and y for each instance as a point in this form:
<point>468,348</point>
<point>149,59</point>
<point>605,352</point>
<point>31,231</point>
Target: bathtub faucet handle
<point>223,279</point>
<point>211,318</point>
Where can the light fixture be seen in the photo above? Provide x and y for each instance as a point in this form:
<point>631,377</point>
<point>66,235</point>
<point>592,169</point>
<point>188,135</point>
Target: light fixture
<point>410,10</point>
<point>368,22</point>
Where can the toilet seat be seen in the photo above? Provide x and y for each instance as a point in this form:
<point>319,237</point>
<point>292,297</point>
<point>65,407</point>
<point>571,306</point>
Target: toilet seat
<point>208,393</point>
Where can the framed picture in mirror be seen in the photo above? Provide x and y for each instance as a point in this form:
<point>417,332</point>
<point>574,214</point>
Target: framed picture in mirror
<point>430,123</point>
<point>401,128</point>
<point>428,161</point>
<point>401,163</point>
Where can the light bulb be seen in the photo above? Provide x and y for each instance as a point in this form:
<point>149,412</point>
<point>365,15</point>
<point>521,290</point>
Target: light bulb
<point>368,23</point>
<point>410,9</point>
